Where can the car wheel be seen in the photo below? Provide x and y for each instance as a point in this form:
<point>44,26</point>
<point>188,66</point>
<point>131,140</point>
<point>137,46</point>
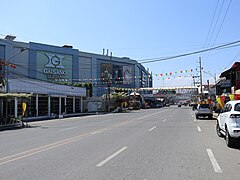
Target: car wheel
<point>197,117</point>
<point>210,117</point>
<point>230,141</point>
<point>218,130</point>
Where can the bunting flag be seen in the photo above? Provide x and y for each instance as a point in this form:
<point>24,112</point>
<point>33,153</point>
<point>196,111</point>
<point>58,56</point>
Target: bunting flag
<point>151,89</point>
<point>174,77</point>
<point>175,73</point>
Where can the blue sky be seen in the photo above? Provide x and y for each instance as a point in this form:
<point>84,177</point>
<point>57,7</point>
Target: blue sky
<point>139,29</point>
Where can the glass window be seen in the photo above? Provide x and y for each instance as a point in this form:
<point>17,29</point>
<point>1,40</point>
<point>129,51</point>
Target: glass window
<point>229,107</point>
<point>204,106</point>
<point>237,107</point>
<point>238,75</point>
<point>225,108</point>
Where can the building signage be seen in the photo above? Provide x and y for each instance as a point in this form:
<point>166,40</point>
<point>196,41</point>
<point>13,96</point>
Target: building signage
<point>225,83</point>
<point>53,66</point>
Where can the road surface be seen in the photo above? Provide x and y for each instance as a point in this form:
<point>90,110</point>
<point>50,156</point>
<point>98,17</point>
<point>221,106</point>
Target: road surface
<point>150,144</point>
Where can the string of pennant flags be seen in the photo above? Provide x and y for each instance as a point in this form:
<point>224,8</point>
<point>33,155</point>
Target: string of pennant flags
<point>151,88</point>
<point>174,77</point>
<point>174,73</point>
<point>177,74</point>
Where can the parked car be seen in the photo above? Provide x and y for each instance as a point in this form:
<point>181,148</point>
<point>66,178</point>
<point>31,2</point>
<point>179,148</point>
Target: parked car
<point>204,110</point>
<point>228,123</point>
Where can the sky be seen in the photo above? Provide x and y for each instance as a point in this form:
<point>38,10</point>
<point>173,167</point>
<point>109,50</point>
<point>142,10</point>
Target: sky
<point>138,29</point>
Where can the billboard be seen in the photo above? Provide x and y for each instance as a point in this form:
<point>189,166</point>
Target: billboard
<point>117,74</point>
<point>106,74</point>
<point>127,75</point>
<point>53,66</point>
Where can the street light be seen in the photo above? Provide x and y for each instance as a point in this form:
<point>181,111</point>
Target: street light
<point>214,76</point>
<point>7,64</point>
<point>215,79</point>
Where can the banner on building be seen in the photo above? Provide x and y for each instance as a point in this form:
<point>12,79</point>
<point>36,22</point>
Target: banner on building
<point>106,74</point>
<point>53,66</point>
<point>117,74</point>
<point>127,75</point>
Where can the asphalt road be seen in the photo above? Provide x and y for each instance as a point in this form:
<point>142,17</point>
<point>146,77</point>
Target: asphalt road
<point>167,143</point>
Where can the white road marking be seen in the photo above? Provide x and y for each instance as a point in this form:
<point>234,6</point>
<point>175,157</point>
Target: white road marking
<point>199,129</point>
<point>164,120</point>
<point>214,162</point>
<point>149,115</point>
<point>152,128</point>
<point>66,129</point>
<point>95,132</point>
<point>110,157</point>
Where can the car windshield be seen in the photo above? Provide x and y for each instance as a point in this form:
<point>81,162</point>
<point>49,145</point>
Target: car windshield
<point>237,107</point>
<point>204,106</point>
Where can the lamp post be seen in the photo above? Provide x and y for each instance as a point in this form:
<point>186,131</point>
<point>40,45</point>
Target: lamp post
<point>215,79</point>
<point>214,76</point>
<point>11,65</point>
<point>109,84</point>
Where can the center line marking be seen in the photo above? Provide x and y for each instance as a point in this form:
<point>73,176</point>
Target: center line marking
<point>164,120</point>
<point>65,129</point>
<point>152,128</point>
<point>214,162</point>
<point>199,129</point>
<point>149,115</point>
<point>110,157</point>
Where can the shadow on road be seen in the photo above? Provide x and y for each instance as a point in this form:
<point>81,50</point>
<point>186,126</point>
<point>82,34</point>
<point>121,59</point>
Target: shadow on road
<point>206,119</point>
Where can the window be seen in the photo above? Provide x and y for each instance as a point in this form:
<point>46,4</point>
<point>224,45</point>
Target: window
<point>238,75</point>
<point>227,107</point>
<point>237,107</point>
<point>204,106</point>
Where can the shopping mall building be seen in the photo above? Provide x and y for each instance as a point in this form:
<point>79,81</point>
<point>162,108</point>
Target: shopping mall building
<point>53,75</point>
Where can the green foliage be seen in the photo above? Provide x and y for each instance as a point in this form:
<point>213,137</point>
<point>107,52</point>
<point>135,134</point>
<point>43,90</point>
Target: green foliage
<point>118,96</point>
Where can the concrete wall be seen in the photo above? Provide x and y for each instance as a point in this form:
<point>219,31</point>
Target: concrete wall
<point>40,87</point>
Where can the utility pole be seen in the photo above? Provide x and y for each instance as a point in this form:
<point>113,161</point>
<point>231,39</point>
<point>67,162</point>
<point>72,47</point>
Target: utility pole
<point>109,83</point>
<point>200,65</point>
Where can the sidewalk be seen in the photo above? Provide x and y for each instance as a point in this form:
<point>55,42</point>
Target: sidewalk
<point>43,118</point>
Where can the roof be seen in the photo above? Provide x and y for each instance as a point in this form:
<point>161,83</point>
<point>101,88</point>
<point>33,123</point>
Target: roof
<point>234,66</point>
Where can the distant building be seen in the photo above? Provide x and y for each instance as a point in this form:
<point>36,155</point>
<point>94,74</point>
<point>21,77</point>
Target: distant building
<point>55,76</point>
<point>229,80</point>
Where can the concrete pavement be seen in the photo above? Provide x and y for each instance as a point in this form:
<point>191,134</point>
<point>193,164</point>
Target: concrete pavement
<point>167,143</point>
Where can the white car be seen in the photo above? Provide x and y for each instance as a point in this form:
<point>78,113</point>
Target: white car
<point>228,123</point>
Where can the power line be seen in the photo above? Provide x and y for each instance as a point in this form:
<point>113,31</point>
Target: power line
<point>211,25</point>
<point>192,53</point>
<point>215,25</point>
<point>220,28</point>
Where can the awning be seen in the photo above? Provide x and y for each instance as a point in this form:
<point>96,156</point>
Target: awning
<point>237,91</point>
<point>20,95</point>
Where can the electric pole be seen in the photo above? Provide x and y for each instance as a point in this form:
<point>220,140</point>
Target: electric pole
<point>200,65</point>
<point>109,83</point>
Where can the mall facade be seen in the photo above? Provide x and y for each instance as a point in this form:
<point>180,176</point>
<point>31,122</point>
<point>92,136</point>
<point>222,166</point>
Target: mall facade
<point>54,77</point>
